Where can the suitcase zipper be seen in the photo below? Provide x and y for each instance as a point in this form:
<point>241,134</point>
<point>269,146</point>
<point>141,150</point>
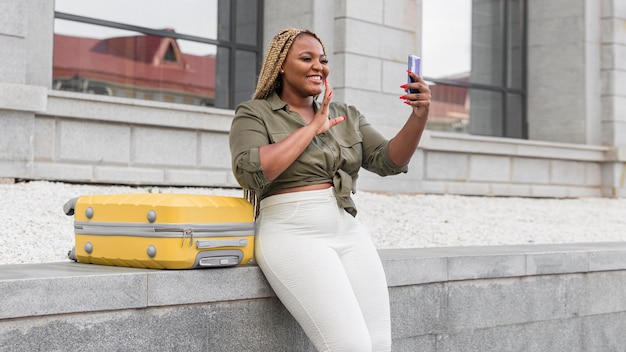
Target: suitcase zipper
<point>185,233</point>
<point>174,230</point>
<point>235,230</point>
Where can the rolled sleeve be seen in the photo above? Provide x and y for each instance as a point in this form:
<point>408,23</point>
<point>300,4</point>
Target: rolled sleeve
<point>376,157</point>
<point>381,162</point>
<point>248,170</point>
<point>247,135</point>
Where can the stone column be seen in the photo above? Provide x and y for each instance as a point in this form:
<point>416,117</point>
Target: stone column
<point>613,95</point>
<point>564,71</point>
<point>26,40</point>
<point>613,73</point>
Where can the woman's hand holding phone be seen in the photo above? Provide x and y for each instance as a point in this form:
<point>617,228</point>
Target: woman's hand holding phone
<point>418,93</point>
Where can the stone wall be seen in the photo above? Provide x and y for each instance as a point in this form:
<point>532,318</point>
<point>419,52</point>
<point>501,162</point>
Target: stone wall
<point>87,138</point>
<point>516,298</point>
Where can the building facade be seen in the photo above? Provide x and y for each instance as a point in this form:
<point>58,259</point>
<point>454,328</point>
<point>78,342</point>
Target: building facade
<point>561,134</point>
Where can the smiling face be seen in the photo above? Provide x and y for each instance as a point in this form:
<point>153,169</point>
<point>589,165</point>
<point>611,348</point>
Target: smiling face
<point>305,68</point>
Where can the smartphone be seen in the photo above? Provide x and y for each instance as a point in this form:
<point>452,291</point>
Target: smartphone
<point>414,66</point>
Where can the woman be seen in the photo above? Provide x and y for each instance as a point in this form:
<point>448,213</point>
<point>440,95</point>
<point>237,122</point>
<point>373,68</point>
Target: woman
<point>301,158</point>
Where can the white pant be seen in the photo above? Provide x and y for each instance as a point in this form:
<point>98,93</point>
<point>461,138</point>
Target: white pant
<point>325,269</point>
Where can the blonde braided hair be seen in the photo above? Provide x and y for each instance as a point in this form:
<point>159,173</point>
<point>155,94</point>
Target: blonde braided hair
<point>269,79</point>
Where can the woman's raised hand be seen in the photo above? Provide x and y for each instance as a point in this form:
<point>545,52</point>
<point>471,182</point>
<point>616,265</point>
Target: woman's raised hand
<point>321,116</point>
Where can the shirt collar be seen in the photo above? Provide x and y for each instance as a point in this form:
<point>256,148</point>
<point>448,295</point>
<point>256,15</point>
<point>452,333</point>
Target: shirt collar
<point>277,104</point>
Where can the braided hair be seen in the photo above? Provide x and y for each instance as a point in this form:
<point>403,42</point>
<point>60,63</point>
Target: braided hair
<point>269,80</point>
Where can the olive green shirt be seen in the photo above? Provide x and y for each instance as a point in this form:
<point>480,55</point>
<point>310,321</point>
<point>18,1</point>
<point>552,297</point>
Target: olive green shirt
<point>334,156</point>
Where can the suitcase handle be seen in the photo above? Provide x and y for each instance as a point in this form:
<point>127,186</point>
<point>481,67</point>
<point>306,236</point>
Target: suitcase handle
<point>237,242</point>
<point>70,206</point>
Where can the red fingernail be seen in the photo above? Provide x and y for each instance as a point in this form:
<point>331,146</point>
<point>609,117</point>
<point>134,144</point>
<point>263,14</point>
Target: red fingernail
<point>403,97</point>
<point>403,86</point>
<point>344,118</point>
<point>407,102</point>
<point>330,94</point>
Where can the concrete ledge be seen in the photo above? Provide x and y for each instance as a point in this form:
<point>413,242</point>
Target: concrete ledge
<point>141,112</point>
<point>60,288</point>
<point>454,142</point>
<point>23,97</point>
<point>467,263</point>
<point>66,287</point>
<point>439,297</point>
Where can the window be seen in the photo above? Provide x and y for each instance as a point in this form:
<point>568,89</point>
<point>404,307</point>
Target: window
<point>474,52</point>
<point>198,52</point>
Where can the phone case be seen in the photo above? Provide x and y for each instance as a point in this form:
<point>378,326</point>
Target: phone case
<point>414,66</point>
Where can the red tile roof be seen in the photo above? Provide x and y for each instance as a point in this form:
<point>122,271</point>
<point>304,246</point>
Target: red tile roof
<point>135,61</point>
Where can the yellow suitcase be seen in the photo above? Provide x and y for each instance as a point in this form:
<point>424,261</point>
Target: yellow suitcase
<point>162,231</point>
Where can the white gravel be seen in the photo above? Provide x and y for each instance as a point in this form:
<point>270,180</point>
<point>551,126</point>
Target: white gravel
<point>34,229</point>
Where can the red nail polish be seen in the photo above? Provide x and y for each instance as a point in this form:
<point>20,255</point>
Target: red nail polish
<point>403,97</point>
<point>403,86</point>
<point>407,102</point>
<point>330,94</point>
<point>344,118</point>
